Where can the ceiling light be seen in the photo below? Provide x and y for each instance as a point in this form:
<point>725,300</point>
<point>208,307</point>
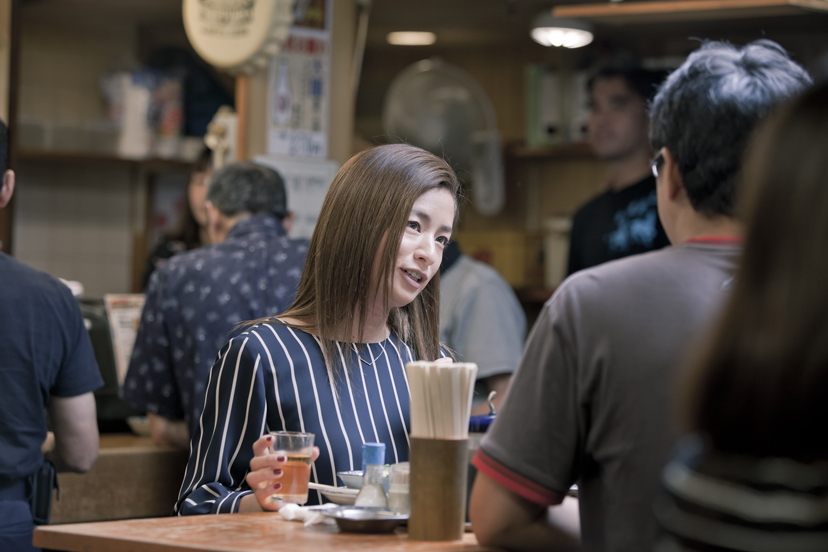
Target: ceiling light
<point>410,38</point>
<point>556,31</point>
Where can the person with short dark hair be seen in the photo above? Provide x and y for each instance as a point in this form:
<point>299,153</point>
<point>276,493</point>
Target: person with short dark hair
<point>196,300</point>
<point>590,402</point>
<point>46,364</point>
<point>753,475</point>
<point>622,220</point>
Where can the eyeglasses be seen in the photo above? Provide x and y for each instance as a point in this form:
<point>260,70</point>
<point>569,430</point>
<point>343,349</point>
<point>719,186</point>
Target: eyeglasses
<point>655,162</point>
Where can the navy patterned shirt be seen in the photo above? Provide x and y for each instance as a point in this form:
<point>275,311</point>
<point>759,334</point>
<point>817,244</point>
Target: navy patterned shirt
<point>194,303</point>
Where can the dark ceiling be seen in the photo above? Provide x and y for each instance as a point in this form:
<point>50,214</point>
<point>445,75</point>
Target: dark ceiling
<point>456,22</point>
<point>461,23</point>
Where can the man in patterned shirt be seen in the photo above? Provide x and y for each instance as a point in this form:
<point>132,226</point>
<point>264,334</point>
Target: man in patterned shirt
<point>197,299</point>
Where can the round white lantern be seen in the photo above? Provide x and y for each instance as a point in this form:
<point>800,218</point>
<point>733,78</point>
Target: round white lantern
<point>237,36</point>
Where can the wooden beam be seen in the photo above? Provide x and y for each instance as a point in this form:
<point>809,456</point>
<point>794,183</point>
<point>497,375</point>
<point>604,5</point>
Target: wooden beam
<point>11,28</point>
<point>242,113</point>
<point>686,10</point>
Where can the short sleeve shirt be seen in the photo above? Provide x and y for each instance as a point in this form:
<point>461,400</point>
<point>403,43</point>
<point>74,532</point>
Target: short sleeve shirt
<point>481,319</point>
<point>616,224</point>
<point>592,399</point>
<point>45,352</point>
<point>196,301</point>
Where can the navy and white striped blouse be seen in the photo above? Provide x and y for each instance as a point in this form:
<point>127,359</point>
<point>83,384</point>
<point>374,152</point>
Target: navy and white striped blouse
<point>720,502</point>
<point>273,378</point>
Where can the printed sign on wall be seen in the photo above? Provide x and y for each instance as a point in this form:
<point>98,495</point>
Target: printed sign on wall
<point>306,183</point>
<point>299,85</point>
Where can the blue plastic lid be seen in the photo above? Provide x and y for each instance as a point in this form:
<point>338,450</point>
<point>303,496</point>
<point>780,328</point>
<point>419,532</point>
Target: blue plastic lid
<point>373,453</point>
<point>480,424</point>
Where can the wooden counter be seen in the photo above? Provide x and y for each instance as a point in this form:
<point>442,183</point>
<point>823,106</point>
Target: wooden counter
<point>228,533</point>
<point>132,478</point>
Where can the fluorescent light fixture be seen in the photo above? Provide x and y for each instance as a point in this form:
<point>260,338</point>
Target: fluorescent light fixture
<point>556,31</point>
<point>411,38</point>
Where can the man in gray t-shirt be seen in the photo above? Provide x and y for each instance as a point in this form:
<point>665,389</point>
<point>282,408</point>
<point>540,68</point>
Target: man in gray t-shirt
<point>592,400</point>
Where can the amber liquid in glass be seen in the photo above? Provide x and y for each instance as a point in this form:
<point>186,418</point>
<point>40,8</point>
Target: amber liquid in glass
<point>294,480</point>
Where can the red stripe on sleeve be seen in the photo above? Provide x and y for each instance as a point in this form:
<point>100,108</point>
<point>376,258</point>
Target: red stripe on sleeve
<point>518,484</point>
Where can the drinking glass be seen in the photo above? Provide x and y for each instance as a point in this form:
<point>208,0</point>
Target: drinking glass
<point>297,447</point>
<point>399,499</point>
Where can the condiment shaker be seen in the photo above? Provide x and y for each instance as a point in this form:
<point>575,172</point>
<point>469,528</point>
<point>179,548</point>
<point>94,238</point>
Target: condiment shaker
<point>372,493</point>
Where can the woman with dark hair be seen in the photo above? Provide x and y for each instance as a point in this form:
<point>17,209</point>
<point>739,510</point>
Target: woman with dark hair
<point>192,230</point>
<point>334,363</point>
<point>755,477</point>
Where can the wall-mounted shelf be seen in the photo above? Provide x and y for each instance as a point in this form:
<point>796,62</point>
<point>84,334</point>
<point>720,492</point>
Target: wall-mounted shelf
<point>686,10</point>
<point>560,151</point>
<point>48,156</point>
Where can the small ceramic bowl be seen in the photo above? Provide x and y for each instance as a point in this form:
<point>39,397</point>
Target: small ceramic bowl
<point>353,480</point>
<point>139,425</point>
<point>339,497</point>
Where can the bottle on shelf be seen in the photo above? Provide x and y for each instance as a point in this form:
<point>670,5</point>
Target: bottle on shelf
<point>372,493</point>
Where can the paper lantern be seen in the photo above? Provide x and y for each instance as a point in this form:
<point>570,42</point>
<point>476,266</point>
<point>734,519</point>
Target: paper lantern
<point>237,36</point>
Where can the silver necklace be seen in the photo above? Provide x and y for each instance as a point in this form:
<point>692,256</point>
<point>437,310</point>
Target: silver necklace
<point>373,358</point>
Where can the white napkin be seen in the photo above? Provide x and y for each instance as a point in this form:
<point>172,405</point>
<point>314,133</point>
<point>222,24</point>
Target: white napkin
<point>310,515</point>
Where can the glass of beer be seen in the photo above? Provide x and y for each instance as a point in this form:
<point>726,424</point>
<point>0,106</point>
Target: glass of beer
<point>297,447</point>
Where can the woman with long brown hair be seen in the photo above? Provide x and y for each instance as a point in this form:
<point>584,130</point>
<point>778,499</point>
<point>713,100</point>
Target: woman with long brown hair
<point>333,364</point>
<point>755,477</point>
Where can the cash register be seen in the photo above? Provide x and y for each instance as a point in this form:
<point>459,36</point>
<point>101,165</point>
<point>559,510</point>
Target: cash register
<point>112,411</point>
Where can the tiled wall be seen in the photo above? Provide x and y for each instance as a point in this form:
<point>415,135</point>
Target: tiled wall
<point>60,70</point>
<point>73,222</point>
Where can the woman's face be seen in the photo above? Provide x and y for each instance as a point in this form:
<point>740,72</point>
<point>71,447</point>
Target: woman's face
<point>196,192</point>
<point>426,234</point>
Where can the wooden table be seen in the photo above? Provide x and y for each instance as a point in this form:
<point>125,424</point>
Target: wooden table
<point>228,533</point>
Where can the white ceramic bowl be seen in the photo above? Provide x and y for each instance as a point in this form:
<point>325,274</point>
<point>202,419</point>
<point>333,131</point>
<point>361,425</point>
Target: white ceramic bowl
<point>139,425</point>
<point>353,479</point>
<point>338,497</point>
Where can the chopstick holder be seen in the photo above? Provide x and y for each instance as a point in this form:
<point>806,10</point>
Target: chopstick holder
<point>441,397</point>
<point>439,469</point>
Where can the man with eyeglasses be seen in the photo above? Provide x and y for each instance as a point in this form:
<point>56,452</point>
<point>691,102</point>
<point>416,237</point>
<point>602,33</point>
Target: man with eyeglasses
<point>592,401</point>
<point>622,220</point>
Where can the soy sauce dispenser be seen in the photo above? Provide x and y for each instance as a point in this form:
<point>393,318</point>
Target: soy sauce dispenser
<point>372,493</point>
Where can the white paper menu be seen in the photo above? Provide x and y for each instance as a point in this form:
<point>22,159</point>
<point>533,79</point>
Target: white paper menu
<point>124,314</point>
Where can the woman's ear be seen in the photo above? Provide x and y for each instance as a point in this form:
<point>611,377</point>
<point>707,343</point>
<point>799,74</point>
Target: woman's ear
<point>6,188</point>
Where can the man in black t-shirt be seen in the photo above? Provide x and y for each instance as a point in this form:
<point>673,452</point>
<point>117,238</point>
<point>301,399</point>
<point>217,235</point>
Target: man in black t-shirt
<point>623,220</point>
<point>46,362</point>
